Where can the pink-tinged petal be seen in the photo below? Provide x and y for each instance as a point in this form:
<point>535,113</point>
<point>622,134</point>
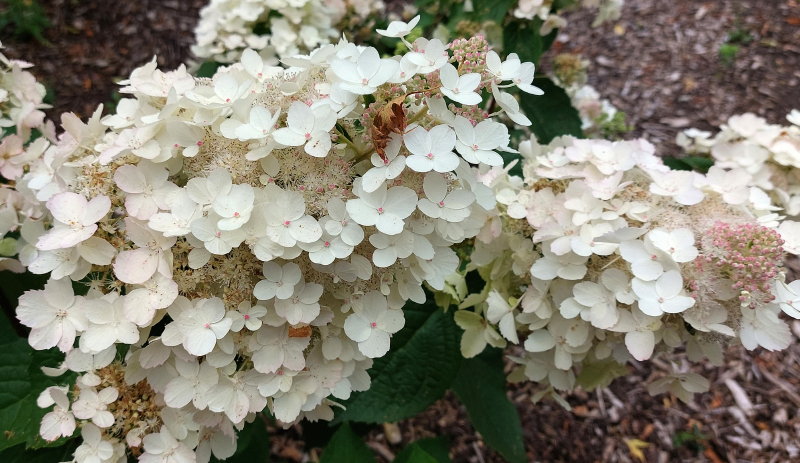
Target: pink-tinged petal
<point>135,266</point>
<point>62,237</point>
<point>140,206</point>
<point>130,179</point>
<point>319,145</point>
<point>391,321</point>
<point>67,207</point>
<point>96,209</point>
<point>97,251</point>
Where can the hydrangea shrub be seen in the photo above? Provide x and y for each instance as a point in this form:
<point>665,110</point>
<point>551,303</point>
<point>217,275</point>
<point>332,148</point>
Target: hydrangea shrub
<point>248,241</point>
<point>600,253</point>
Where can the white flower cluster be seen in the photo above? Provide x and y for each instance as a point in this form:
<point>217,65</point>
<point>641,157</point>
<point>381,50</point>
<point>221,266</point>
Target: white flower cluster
<point>755,153</point>
<point>607,10</point>
<point>273,27</point>
<point>21,105</point>
<point>250,239</point>
<point>601,253</point>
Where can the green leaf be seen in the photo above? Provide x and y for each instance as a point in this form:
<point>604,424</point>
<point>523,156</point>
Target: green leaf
<point>425,451</point>
<point>19,454</point>
<point>481,387</point>
<point>208,69</point>
<point>600,373</point>
<point>253,445</point>
<point>552,114</point>
<point>423,359</point>
<point>346,447</point>
<point>21,381</point>
<point>523,38</point>
<point>14,285</point>
<point>491,10</point>
<point>698,163</point>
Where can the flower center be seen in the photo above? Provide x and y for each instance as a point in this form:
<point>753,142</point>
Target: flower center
<point>380,210</point>
<point>373,324</point>
<point>429,155</point>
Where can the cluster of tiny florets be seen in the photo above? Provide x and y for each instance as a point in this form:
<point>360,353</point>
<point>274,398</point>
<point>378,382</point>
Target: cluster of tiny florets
<point>601,253</point>
<point>470,54</point>
<point>750,254</point>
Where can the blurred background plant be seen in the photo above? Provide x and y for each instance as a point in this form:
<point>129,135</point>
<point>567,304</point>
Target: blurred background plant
<point>25,18</point>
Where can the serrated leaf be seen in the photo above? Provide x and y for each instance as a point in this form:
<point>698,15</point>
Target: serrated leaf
<point>425,451</point>
<point>481,387</point>
<point>600,373</point>
<point>346,447</point>
<point>551,114</point>
<point>423,359</point>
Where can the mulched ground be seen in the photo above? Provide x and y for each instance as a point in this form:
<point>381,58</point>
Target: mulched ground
<point>661,65</point>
